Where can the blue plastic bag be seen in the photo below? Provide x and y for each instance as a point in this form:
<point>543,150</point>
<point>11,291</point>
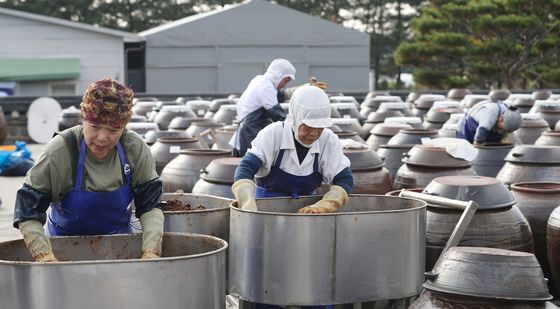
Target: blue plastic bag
<point>15,162</point>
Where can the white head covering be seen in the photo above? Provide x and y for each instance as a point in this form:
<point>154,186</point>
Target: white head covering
<point>278,69</point>
<point>309,105</point>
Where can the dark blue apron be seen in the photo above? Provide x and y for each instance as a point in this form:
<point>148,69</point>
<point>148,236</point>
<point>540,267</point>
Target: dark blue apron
<point>279,183</point>
<point>92,213</point>
<point>468,131</point>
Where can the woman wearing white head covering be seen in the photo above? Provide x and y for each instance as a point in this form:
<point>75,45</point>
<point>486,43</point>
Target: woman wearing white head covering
<point>294,157</point>
<point>258,106</point>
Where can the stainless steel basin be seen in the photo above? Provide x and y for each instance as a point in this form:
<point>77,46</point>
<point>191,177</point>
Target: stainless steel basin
<point>372,249</point>
<point>106,272</point>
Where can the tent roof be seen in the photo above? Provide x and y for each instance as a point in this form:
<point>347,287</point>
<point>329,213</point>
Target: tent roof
<point>253,22</point>
<point>127,36</point>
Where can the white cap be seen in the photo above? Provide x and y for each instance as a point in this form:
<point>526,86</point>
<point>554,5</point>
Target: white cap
<point>311,106</point>
<point>279,69</point>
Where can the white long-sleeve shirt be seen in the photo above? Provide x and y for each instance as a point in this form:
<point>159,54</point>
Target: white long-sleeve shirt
<point>274,137</point>
<point>261,92</point>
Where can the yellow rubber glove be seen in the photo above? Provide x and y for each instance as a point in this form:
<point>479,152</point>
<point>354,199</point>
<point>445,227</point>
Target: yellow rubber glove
<point>244,191</point>
<point>152,233</point>
<point>36,241</point>
<point>331,201</point>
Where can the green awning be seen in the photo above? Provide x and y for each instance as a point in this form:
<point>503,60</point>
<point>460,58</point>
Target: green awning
<point>39,69</point>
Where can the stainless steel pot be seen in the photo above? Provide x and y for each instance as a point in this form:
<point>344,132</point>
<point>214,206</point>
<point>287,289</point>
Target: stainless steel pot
<point>212,220</point>
<point>106,272</point>
<point>371,249</point>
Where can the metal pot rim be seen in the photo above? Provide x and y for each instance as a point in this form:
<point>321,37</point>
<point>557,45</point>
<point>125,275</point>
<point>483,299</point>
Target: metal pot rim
<point>233,207</point>
<point>120,261</point>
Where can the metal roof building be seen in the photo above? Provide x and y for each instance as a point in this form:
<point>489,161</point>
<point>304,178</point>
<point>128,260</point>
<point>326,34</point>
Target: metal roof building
<point>222,50</point>
<point>41,55</point>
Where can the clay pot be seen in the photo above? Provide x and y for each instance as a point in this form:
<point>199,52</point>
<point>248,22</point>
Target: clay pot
<point>3,127</point>
<point>181,173</point>
<point>532,127</point>
<point>425,101</point>
<point>166,149</point>
<point>499,94</point>
<point>141,128</point>
<point>69,117</point>
<point>541,94</point>
<point>167,113</point>
<point>350,135</point>
<point>182,123</point>
<point>490,158</point>
<point>138,118</point>
<point>199,107</point>
<point>497,223</point>
<point>347,110</point>
<point>216,179</point>
<point>143,107</point>
<point>423,164</point>
<point>347,124</point>
<point>531,163</point>
<point>412,96</point>
<point>553,245</point>
<point>548,110</point>
<point>549,138</point>
<point>412,137</point>
<point>370,177</point>
<point>378,116</point>
<point>438,300</point>
<point>225,114</point>
<point>471,100</point>
<point>392,156</point>
<point>523,105</point>
<point>151,136</point>
<point>383,132</point>
<point>203,130</point>
<point>222,136</point>
<point>458,93</point>
<point>537,200</point>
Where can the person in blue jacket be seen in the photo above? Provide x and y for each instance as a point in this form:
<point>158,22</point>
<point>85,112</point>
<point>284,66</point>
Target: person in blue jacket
<point>488,122</point>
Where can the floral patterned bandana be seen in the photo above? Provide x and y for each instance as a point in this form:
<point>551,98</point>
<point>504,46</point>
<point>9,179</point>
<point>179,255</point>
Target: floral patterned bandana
<point>107,102</point>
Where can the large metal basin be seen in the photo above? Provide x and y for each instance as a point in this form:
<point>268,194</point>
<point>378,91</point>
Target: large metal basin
<point>106,272</point>
<point>372,249</point>
<point>213,220</point>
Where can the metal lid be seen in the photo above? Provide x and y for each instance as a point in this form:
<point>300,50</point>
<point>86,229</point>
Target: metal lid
<point>363,159</point>
<point>490,273</point>
<point>534,154</point>
<point>220,170</point>
<point>487,192</point>
<point>422,155</point>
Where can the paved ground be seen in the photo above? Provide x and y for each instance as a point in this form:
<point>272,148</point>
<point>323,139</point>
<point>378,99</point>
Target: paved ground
<point>8,189</point>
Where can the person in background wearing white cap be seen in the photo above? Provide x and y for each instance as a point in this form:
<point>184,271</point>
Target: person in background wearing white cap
<point>258,106</point>
<point>488,122</point>
<point>294,157</point>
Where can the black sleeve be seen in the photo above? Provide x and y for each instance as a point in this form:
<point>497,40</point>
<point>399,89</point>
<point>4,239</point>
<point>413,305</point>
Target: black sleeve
<point>277,113</point>
<point>248,167</point>
<point>148,196</point>
<point>31,204</point>
<point>345,180</point>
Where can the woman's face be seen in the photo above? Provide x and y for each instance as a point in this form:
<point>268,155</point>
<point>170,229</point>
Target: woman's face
<point>101,139</point>
<point>284,82</point>
<point>308,135</point>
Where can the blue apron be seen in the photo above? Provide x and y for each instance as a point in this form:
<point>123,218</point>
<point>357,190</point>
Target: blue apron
<point>92,213</point>
<point>280,183</point>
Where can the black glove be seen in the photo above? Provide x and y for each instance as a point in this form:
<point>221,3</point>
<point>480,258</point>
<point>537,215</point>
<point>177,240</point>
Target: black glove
<point>148,196</point>
<point>31,204</point>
